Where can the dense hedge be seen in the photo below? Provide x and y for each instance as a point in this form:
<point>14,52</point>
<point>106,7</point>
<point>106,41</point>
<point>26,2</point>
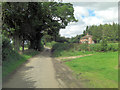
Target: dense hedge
<point>6,48</point>
<point>62,46</point>
<point>98,47</point>
<point>58,47</point>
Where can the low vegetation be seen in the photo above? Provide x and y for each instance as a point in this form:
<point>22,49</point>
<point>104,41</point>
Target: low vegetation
<point>13,59</point>
<point>50,44</point>
<point>73,49</point>
<point>97,71</point>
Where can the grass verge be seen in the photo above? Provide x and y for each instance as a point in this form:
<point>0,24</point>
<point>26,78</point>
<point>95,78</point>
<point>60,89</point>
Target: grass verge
<point>14,60</point>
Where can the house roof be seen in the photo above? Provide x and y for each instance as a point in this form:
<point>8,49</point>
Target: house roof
<point>86,37</point>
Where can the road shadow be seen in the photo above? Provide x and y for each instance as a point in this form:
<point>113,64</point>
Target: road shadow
<point>19,79</point>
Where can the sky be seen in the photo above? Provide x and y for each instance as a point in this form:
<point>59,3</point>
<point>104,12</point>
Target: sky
<point>90,13</point>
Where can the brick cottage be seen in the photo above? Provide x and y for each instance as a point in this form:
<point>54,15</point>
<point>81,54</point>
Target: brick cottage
<point>87,39</point>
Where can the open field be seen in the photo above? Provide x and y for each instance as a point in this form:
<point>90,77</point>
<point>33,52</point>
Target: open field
<point>100,70</point>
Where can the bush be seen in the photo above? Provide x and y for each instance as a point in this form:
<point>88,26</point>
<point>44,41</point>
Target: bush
<point>98,47</point>
<point>62,46</point>
<point>83,47</point>
<point>50,44</point>
<point>112,47</point>
<point>104,45</point>
<point>58,47</point>
<point>95,47</point>
<point>6,48</point>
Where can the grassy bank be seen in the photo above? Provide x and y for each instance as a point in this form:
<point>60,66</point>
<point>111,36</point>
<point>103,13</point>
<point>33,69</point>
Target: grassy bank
<point>75,49</point>
<point>14,60</point>
<point>97,71</point>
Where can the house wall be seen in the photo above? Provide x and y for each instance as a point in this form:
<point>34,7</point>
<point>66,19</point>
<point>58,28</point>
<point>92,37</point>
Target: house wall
<point>90,41</point>
<point>83,40</point>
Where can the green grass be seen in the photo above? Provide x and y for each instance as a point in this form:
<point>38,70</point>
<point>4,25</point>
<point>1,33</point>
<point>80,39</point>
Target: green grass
<point>14,60</point>
<point>24,48</point>
<point>96,71</point>
<point>72,53</point>
<point>100,69</point>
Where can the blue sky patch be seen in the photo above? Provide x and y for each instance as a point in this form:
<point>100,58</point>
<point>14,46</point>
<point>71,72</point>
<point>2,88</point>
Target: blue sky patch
<point>91,12</point>
<point>83,16</point>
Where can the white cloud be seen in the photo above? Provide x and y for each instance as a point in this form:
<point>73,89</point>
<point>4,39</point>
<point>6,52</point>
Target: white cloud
<point>89,1</point>
<point>108,15</point>
<point>92,21</point>
<point>72,30</point>
<point>78,11</point>
<point>104,13</point>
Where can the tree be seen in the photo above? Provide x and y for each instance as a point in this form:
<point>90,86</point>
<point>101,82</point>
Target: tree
<point>104,45</point>
<point>34,19</point>
<point>107,30</point>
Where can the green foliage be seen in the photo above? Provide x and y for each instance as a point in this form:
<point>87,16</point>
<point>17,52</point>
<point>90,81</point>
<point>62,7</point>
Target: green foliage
<point>13,60</point>
<point>107,30</point>
<point>6,43</point>
<point>112,47</point>
<point>73,49</point>
<point>83,47</point>
<point>59,47</point>
<point>95,47</point>
<point>61,39</point>
<point>32,20</point>
<point>50,44</point>
<point>99,48</point>
<point>62,46</point>
<point>104,45</point>
<point>6,48</point>
<point>75,39</point>
<point>69,49</point>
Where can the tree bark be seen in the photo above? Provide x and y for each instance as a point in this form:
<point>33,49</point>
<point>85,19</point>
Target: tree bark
<point>16,43</point>
<point>23,46</point>
<point>36,42</point>
<point>32,44</point>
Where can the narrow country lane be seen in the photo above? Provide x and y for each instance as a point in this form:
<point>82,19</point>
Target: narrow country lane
<point>41,71</point>
<point>38,72</point>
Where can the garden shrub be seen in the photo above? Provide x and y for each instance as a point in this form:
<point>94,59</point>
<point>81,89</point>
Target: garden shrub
<point>83,47</point>
<point>104,45</point>
<point>112,47</point>
<point>95,47</point>
<point>98,47</point>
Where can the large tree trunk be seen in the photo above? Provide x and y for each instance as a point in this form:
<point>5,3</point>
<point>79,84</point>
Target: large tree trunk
<point>32,44</point>
<point>23,46</point>
<point>16,43</point>
<point>36,42</point>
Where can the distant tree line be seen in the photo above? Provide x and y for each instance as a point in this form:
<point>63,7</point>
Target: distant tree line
<point>107,31</point>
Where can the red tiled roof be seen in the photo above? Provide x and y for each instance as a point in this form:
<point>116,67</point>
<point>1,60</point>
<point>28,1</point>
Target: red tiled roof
<point>85,37</point>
